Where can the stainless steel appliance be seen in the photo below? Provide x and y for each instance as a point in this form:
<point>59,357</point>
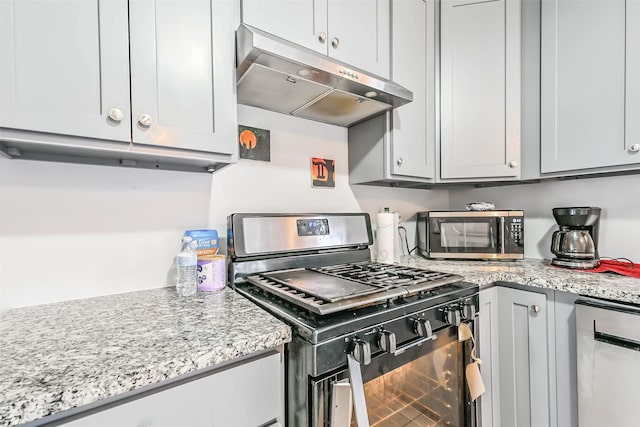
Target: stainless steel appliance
<point>575,244</point>
<point>377,337</point>
<point>281,76</point>
<point>608,348</point>
<point>488,235</point>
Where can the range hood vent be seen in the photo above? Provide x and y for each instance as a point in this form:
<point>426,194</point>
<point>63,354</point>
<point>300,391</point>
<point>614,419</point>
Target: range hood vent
<point>278,75</point>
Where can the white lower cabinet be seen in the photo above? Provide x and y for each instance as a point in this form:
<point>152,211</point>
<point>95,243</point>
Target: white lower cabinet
<point>527,344</point>
<point>247,395</point>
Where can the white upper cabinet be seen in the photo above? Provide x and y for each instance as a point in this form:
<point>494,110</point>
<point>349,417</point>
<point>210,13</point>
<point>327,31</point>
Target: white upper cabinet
<point>355,32</point>
<point>632,107</point>
<point>413,66</point>
<point>180,85</point>
<point>590,70</point>
<point>64,67</point>
<point>399,147</point>
<point>143,80</point>
<point>480,89</point>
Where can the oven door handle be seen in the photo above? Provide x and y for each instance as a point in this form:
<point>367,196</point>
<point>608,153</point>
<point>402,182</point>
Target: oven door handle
<point>412,344</point>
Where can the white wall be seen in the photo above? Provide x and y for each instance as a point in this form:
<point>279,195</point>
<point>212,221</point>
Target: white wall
<point>72,231</point>
<point>284,183</point>
<point>619,198</point>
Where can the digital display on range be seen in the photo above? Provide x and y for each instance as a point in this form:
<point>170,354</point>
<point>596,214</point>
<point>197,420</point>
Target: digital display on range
<point>313,227</point>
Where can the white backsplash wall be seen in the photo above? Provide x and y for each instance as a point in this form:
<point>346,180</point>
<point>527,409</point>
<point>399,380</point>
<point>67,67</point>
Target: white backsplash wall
<point>284,183</point>
<point>71,231</point>
<point>618,197</point>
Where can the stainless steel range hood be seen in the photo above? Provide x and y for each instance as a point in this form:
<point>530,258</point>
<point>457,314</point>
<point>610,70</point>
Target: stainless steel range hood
<point>281,76</point>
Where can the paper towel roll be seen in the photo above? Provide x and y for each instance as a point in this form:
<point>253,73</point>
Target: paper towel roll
<point>385,237</point>
<point>397,248</point>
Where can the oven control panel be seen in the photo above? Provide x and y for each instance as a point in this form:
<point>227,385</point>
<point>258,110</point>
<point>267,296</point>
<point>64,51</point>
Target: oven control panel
<point>396,336</point>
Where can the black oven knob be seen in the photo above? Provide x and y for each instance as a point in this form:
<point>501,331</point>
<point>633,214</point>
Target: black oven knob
<point>422,327</point>
<point>361,351</point>
<point>387,341</point>
<point>454,316</point>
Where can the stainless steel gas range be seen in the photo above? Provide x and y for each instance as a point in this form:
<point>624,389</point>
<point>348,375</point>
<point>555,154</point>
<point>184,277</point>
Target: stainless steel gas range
<point>373,344</point>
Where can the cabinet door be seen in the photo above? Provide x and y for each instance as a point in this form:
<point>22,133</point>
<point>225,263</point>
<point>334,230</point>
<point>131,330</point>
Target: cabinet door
<point>249,395</point>
<point>182,74</point>
<point>359,34</point>
<point>303,22</point>
<point>566,358</point>
<point>64,65</point>
<point>413,124</point>
<point>488,351</point>
<point>480,89</point>
<point>632,108</point>
<point>525,398</point>
<point>583,84</point>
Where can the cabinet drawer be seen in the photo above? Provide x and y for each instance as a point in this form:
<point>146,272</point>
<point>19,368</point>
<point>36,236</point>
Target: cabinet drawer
<point>248,395</point>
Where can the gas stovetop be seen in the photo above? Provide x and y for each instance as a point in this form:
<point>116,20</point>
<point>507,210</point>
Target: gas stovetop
<point>335,288</point>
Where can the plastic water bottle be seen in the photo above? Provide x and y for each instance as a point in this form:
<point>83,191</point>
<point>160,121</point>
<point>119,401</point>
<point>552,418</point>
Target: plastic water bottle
<point>187,269</point>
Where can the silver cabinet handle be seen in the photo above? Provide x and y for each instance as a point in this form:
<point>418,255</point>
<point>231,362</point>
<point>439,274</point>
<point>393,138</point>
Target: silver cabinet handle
<point>322,37</point>
<point>513,164</point>
<point>145,120</point>
<point>634,148</point>
<point>116,114</point>
<point>535,309</point>
<point>400,161</point>
<point>335,42</point>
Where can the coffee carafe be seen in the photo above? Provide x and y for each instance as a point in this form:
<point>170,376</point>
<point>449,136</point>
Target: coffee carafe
<point>575,244</point>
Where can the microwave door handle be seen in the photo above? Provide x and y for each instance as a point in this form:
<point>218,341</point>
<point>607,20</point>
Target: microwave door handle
<point>502,233</point>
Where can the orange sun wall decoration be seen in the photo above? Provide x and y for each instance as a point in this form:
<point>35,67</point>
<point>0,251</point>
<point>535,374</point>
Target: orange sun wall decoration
<point>254,143</point>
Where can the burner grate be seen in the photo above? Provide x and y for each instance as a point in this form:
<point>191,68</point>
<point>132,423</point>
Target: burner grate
<point>340,287</point>
<point>382,275</point>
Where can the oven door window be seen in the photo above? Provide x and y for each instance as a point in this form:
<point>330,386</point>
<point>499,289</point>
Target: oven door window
<point>428,391</point>
<point>464,235</point>
<point>424,386</point>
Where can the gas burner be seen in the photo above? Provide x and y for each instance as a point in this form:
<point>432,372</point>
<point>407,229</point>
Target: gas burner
<point>334,288</point>
<point>382,275</point>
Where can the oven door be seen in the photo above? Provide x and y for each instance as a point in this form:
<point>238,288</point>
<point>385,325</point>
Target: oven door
<point>423,386</point>
<point>474,236</point>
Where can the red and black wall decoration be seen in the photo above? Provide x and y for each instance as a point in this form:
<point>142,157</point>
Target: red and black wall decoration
<point>323,172</point>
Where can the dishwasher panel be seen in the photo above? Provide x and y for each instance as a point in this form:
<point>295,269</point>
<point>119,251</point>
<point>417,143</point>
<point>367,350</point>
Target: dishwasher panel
<point>608,349</point>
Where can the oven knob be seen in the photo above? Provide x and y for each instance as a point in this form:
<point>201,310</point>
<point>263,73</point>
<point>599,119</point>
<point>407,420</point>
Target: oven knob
<point>469,311</point>
<point>361,351</point>
<point>387,341</point>
<point>422,327</point>
<point>454,317</point>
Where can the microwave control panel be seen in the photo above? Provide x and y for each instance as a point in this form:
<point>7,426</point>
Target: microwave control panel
<point>516,227</point>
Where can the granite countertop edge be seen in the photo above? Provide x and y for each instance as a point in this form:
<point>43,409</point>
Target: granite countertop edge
<point>62,356</point>
<point>538,273</point>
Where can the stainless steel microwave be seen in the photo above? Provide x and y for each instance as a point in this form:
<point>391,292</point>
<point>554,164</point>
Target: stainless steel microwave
<point>490,235</point>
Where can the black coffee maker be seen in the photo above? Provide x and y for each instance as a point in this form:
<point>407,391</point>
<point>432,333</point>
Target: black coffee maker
<point>575,244</point>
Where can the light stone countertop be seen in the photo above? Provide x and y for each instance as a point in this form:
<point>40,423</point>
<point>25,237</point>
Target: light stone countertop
<point>540,274</point>
<point>60,356</point>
